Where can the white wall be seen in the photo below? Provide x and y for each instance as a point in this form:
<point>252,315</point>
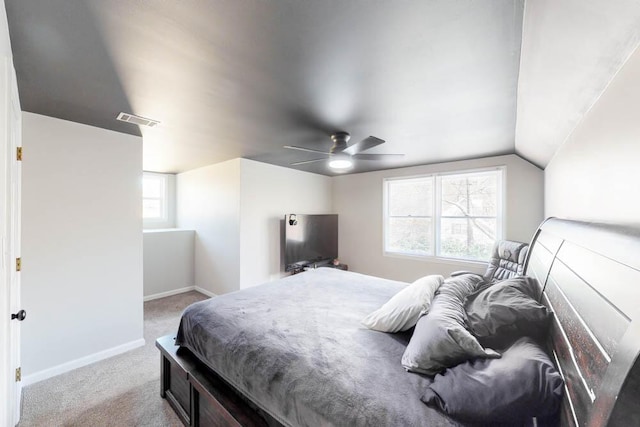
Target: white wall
<point>168,262</point>
<point>235,208</point>
<point>269,192</point>
<point>208,201</point>
<point>595,175</point>
<point>357,199</point>
<point>82,245</point>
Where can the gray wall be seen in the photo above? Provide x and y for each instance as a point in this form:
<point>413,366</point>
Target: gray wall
<point>358,200</point>
<point>168,262</point>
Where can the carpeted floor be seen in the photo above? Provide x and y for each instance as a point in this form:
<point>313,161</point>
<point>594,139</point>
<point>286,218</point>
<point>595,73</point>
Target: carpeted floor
<point>120,391</point>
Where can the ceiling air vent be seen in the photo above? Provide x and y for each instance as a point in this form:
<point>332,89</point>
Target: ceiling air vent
<point>141,121</point>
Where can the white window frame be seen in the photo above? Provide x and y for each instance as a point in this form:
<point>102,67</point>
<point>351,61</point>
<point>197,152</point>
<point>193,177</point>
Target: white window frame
<point>436,202</point>
<point>164,200</point>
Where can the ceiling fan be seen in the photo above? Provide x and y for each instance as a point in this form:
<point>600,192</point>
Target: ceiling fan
<point>341,156</point>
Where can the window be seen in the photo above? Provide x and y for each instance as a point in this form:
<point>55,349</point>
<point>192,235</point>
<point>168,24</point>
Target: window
<point>451,216</point>
<point>154,196</point>
<point>410,216</point>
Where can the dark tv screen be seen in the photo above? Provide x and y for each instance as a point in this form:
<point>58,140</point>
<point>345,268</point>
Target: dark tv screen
<point>310,239</point>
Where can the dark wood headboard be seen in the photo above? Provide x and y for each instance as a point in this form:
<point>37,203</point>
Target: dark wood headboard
<point>590,278</point>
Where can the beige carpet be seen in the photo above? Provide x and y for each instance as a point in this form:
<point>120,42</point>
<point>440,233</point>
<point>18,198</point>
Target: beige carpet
<point>121,391</point>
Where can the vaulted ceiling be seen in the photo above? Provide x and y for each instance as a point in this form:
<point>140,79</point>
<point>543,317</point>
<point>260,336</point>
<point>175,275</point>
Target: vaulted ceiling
<point>438,80</point>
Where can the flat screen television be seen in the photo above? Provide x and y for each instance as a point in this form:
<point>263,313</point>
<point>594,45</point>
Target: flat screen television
<point>309,239</point>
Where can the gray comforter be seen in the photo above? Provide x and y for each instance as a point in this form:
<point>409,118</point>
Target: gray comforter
<point>296,348</point>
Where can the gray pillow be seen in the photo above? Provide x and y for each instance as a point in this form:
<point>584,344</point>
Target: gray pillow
<point>501,313</point>
<point>520,385</point>
<point>440,339</point>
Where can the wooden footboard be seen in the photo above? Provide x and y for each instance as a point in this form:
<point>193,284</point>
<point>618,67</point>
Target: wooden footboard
<point>200,397</point>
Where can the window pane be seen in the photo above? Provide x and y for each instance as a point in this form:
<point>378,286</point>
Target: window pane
<point>410,197</point>
<point>410,235</point>
<point>470,194</point>
<point>470,238</point>
<point>151,208</point>
<point>152,186</point>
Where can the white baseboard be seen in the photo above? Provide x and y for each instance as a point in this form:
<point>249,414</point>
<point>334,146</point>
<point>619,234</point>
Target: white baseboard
<point>205,292</point>
<point>78,363</point>
<point>169,293</point>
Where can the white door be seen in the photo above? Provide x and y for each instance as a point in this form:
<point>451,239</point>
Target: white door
<point>14,212</point>
<point>10,195</point>
<point>6,386</point>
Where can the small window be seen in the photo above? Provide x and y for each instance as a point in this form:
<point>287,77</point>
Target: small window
<point>451,216</point>
<point>154,196</point>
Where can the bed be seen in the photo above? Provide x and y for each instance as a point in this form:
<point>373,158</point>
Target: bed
<point>297,355</point>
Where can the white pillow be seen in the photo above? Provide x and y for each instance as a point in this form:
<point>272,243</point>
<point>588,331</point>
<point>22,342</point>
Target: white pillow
<point>404,309</point>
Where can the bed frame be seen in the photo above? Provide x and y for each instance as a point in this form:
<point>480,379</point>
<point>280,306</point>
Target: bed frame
<point>589,276</point>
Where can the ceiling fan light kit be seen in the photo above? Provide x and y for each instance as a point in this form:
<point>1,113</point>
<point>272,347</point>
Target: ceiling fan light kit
<point>340,162</point>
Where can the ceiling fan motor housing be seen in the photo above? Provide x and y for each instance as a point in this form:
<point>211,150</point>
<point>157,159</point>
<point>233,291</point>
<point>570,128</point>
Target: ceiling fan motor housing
<point>340,140</point>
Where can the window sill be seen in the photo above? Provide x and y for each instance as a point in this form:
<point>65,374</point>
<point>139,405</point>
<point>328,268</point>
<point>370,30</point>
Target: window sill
<point>165,230</point>
<point>438,260</point>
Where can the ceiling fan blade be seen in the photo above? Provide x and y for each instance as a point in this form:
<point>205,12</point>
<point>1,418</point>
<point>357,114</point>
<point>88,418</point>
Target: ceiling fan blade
<point>363,145</point>
<point>307,161</point>
<point>293,147</point>
<point>377,156</point>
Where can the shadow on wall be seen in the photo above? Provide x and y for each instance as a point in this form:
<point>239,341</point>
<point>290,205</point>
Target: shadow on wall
<point>276,251</point>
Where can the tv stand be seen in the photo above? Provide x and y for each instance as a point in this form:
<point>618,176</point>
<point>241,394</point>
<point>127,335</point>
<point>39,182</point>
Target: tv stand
<point>344,267</point>
<point>314,265</point>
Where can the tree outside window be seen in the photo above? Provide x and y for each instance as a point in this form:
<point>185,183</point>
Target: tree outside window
<point>451,216</point>
<point>469,215</point>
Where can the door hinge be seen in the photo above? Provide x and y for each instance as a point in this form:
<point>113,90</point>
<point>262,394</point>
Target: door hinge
<point>19,153</point>
<point>18,374</point>
<point>18,264</point>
